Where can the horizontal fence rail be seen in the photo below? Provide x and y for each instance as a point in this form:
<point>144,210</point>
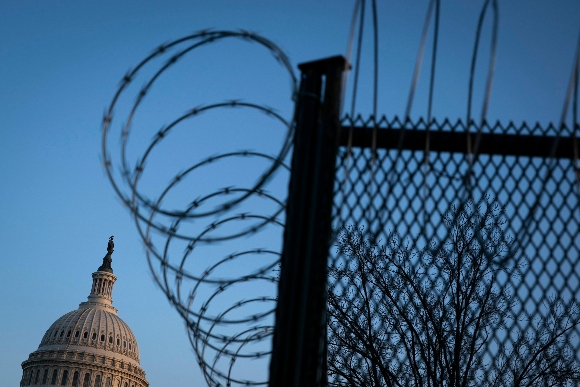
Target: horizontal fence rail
<point>400,137</point>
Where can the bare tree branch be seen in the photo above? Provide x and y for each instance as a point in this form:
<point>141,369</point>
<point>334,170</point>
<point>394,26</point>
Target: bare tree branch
<point>401,316</point>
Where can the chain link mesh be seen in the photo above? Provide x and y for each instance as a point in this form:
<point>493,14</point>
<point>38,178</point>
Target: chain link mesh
<point>454,268</point>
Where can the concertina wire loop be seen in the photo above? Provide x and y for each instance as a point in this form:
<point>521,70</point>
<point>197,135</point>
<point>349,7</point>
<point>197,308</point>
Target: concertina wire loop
<point>239,327</point>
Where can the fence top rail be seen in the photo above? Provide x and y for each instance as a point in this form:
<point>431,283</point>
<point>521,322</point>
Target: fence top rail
<point>497,139</point>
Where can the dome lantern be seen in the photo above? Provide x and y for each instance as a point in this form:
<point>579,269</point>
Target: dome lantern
<point>101,295</point>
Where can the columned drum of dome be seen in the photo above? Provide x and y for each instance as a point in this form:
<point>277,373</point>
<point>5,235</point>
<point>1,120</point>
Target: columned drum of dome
<point>90,346</point>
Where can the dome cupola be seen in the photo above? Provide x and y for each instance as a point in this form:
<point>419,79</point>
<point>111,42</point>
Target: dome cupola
<point>90,346</point>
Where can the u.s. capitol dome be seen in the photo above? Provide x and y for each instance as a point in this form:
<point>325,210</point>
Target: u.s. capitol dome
<point>90,346</point>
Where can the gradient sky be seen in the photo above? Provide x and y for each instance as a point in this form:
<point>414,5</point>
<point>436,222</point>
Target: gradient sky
<point>60,64</point>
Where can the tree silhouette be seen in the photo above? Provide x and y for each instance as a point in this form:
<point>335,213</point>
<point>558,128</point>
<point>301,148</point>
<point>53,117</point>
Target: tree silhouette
<point>439,316</point>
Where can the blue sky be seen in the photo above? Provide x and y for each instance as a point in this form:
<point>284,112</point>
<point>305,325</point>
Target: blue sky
<point>60,65</point>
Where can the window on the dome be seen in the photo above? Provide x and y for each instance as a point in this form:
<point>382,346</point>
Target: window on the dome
<point>45,376</point>
<point>118,342</point>
<point>61,333</point>
<point>85,335</point>
<point>87,381</point>
<point>129,345</point>
<point>75,382</point>
<point>124,344</point>
<point>77,333</point>
<point>26,378</point>
<point>110,339</point>
<point>98,381</point>
<point>68,334</point>
<point>102,337</point>
<point>54,376</point>
<point>37,379</point>
<point>94,335</point>
<point>64,378</point>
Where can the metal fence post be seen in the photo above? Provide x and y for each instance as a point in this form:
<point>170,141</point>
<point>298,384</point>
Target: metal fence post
<point>299,347</point>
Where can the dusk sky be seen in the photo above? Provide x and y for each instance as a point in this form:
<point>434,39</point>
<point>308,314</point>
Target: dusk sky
<point>61,63</point>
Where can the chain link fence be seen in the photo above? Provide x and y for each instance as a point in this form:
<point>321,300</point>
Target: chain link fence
<point>455,255</point>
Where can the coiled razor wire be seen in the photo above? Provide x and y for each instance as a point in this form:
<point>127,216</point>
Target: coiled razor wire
<point>228,302</point>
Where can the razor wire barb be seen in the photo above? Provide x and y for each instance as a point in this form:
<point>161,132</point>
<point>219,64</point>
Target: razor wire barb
<point>240,327</point>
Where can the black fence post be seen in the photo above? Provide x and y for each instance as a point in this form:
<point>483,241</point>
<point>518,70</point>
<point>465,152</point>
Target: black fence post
<point>299,347</point>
